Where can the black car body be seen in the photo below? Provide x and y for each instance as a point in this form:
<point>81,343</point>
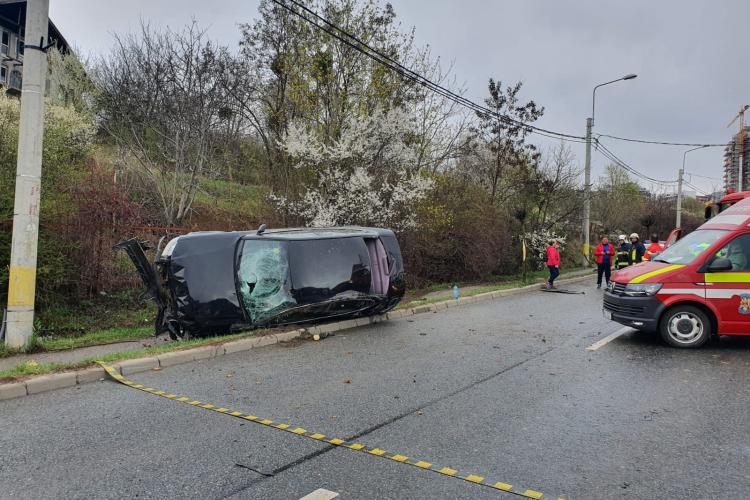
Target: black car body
<point>215,282</point>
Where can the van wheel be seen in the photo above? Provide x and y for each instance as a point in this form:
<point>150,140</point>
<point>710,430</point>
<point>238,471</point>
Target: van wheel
<point>685,326</point>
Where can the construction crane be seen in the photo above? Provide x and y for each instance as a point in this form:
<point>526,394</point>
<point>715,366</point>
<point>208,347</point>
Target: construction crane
<point>741,144</point>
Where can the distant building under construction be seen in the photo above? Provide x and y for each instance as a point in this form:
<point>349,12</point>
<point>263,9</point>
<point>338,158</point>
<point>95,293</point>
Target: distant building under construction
<point>732,161</point>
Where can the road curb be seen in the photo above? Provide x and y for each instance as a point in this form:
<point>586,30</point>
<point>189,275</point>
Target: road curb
<point>62,380</point>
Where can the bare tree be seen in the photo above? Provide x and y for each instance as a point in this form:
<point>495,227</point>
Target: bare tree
<point>162,98</point>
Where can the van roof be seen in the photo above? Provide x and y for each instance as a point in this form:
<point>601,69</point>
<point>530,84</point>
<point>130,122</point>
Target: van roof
<point>734,217</point>
<point>733,197</point>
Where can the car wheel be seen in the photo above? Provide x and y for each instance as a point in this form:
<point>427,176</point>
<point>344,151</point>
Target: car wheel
<point>685,326</point>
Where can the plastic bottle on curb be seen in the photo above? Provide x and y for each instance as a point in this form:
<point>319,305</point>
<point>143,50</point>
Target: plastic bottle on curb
<point>455,292</point>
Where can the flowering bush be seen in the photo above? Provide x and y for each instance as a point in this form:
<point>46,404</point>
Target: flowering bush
<point>364,177</point>
<point>537,242</point>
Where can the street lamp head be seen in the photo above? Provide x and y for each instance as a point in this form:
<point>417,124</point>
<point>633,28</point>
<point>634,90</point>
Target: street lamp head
<point>630,76</point>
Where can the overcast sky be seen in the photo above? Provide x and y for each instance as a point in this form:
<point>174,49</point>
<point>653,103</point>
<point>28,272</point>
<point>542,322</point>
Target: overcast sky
<point>691,58</point>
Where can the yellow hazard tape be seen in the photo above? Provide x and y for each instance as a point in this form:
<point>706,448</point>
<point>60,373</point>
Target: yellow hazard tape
<point>343,443</point>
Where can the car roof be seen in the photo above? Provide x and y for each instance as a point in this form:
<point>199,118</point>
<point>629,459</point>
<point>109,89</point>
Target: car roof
<point>735,217</point>
<point>297,233</point>
<point>315,233</point>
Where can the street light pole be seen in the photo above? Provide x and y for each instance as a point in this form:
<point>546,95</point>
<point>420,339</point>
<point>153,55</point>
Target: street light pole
<point>680,177</point>
<point>22,280</point>
<point>586,236</point>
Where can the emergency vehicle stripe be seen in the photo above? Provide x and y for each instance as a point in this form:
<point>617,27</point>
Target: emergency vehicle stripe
<point>682,291</point>
<point>725,293</point>
<point>370,451</point>
<point>645,276</point>
<point>728,277</point>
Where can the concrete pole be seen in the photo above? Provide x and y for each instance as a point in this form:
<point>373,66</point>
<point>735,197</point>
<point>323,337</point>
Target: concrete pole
<point>679,198</point>
<point>587,198</point>
<point>22,282</point>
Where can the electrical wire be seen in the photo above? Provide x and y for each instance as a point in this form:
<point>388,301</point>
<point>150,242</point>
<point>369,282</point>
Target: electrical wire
<point>662,143</point>
<point>613,157</point>
<point>352,41</point>
<point>359,45</point>
<point>705,177</point>
<point>696,188</point>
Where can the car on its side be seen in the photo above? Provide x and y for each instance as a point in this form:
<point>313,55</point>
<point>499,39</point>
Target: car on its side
<point>208,283</point>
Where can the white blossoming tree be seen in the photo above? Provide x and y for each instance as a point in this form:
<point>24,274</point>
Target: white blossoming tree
<point>537,245</point>
<point>367,176</point>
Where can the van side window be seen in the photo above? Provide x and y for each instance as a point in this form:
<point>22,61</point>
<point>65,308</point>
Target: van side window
<point>738,253</point>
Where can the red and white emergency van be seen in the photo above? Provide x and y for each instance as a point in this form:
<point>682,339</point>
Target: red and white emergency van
<point>696,289</point>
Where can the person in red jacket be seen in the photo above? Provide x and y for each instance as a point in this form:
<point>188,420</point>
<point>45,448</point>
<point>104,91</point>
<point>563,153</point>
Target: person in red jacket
<point>654,248</point>
<point>553,262</point>
<point>604,253</point>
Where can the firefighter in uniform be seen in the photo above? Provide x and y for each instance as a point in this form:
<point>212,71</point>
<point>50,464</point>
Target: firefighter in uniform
<point>622,257</point>
<point>637,249</point>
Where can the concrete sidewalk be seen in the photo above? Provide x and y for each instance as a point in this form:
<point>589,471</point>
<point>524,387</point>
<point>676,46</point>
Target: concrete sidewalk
<point>80,353</point>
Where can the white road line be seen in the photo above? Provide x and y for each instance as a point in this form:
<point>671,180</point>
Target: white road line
<point>609,338</point>
<point>320,494</point>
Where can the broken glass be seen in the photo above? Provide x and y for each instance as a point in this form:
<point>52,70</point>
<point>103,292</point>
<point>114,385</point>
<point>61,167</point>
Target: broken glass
<point>264,279</point>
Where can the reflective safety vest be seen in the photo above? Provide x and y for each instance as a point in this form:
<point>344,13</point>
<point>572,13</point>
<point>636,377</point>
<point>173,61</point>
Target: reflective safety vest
<point>636,252</point>
<point>622,257</point>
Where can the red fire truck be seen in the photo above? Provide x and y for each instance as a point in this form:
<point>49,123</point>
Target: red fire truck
<point>698,288</point>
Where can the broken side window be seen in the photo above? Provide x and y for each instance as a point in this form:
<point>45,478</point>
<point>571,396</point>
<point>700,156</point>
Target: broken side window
<point>329,269</point>
<point>264,281</point>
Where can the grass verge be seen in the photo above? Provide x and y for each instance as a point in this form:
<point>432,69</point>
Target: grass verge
<point>24,370</point>
<point>504,284</point>
<point>100,337</point>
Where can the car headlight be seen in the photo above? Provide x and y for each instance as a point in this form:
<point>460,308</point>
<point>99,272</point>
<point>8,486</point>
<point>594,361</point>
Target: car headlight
<point>642,289</point>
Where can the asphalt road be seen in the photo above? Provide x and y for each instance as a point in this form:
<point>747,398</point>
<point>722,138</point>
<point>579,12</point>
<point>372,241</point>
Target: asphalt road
<point>502,388</point>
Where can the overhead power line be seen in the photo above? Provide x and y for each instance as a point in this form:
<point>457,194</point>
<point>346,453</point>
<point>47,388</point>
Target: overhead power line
<point>699,190</point>
<point>606,152</point>
<point>662,143</point>
<point>705,177</point>
<point>378,56</point>
<point>352,41</point>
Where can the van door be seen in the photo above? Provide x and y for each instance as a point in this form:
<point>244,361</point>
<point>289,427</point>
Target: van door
<point>729,291</point>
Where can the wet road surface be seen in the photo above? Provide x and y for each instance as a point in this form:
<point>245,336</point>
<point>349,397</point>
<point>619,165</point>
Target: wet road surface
<point>504,388</point>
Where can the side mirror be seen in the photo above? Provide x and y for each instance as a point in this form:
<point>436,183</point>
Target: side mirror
<point>720,265</point>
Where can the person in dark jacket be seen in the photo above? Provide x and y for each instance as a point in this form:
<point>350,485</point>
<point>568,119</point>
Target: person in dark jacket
<point>637,249</point>
<point>622,255</point>
<point>604,254</point>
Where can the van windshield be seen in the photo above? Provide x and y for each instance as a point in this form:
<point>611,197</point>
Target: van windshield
<point>686,250</point>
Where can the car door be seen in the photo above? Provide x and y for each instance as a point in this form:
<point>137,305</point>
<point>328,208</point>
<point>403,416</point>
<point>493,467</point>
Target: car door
<point>729,291</point>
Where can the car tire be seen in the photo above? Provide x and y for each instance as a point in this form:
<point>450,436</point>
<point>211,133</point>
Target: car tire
<point>685,326</point>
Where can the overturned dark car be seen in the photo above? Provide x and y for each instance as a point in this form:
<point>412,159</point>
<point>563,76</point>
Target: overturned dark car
<point>209,283</point>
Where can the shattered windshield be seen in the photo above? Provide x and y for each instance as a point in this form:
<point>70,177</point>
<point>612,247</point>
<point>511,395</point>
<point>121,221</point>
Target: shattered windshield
<point>264,280</point>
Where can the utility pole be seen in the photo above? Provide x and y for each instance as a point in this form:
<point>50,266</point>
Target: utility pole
<point>22,282</point>
<point>587,197</point>
<point>679,186</point>
<point>679,197</point>
<point>586,233</point>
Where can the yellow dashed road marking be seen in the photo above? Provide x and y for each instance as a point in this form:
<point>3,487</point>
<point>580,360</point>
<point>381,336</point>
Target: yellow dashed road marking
<point>378,452</point>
